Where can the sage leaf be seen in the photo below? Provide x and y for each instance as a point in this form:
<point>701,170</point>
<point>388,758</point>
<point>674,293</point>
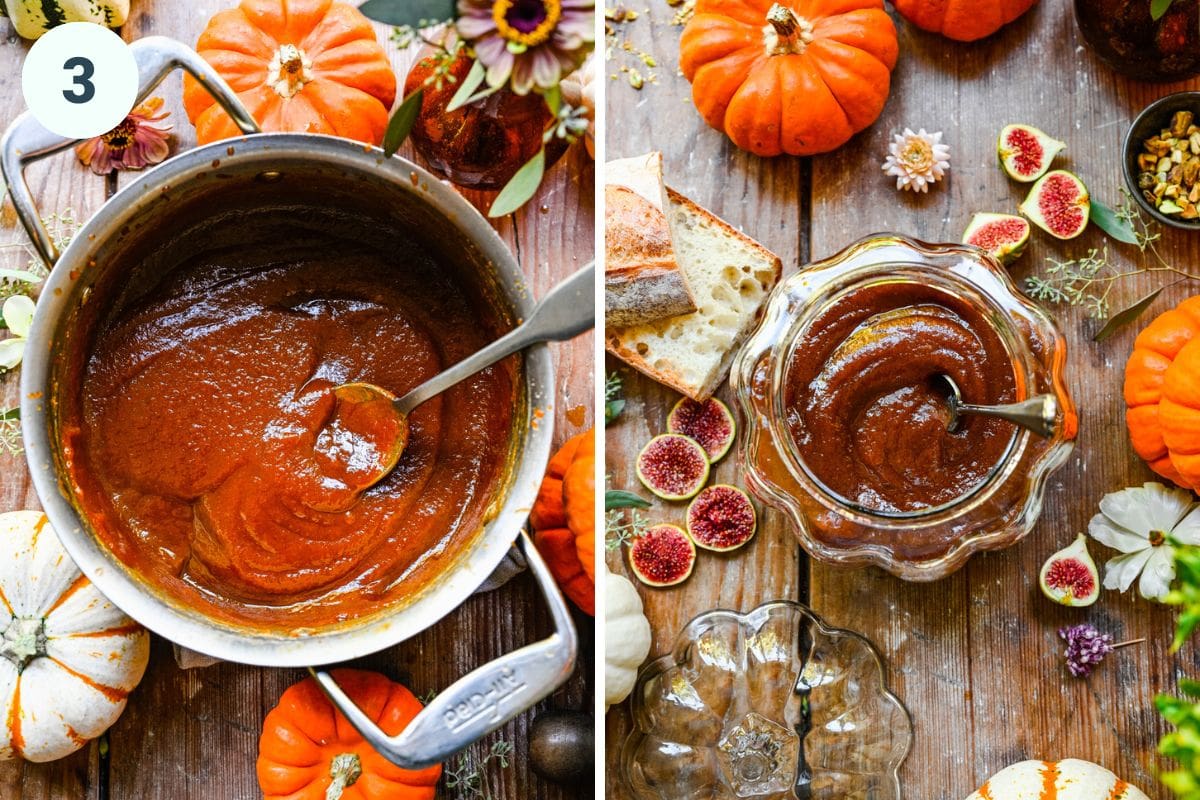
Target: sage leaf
<point>1158,8</point>
<point>470,83</point>
<point>12,413</point>
<point>1111,223</point>
<point>1126,316</point>
<point>401,123</point>
<point>617,498</point>
<point>20,275</point>
<point>409,12</point>
<point>613,409</point>
<point>523,185</point>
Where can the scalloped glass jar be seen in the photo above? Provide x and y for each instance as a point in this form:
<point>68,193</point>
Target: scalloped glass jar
<point>926,544</point>
<point>773,704</point>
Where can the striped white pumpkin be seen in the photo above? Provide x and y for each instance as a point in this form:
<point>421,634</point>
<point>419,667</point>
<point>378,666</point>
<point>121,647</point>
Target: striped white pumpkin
<point>1069,779</point>
<point>32,18</point>
<point>68,657</point>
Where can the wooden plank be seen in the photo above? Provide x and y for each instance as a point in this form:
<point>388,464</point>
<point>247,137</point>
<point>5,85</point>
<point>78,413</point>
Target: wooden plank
<point>194,733</point>
<point>763,199</point>
<point>976,656</point>
<point>59,183</point>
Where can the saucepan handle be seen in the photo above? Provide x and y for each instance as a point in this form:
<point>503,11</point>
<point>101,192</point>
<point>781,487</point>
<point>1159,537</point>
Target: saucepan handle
<point>485,699</point>
<point>26,140</point>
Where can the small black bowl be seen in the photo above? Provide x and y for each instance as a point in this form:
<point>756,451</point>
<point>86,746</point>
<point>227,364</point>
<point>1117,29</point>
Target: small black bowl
<point>1150,122</point>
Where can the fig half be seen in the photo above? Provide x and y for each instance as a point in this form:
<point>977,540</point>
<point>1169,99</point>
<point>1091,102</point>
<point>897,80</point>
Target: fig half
<point>662,556</point>
<point>721,518</point>
<point>1070,577</point>
<point>1058,204</point>
<point>709,423</point>
<point>1026,152</point>
<point>672,466</point>
<point>1003,236</point>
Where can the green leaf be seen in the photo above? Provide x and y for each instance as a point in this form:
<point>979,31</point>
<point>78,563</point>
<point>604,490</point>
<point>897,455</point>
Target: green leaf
<point>1158,8</point>
<point>1126,316</point>
<point>617,498</point>
<point>553,97</point>
<point>12,413</point>
<point>409,12</point>
<point>613,409</point>
<point>523,185</point>
<point>401,123</point>
<point>20,275</point>
<point>1112,223</point>
<point>470,83</point>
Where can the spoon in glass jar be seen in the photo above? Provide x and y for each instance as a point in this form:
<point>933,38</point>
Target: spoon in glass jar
<point>1038,414</point>
<point>371,423</point>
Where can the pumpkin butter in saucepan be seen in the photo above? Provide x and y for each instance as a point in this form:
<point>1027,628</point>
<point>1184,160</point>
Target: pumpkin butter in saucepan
<point>197,442</point>
<point>866,411</point>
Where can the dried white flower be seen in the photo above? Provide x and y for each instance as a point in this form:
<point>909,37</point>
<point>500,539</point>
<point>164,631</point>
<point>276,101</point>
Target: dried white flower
<point>917,159</point>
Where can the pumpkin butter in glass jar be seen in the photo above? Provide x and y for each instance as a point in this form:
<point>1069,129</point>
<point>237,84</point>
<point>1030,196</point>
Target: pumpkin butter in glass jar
<point>846,422</point>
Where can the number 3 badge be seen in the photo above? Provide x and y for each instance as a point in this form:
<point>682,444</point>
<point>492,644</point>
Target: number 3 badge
<point>80,80</point>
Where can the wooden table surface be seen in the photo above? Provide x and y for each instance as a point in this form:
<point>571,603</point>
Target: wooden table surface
<point>194,733</point>
<point>975,657</point>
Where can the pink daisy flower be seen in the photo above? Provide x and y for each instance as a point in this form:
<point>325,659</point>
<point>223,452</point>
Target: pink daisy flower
<point>533,42</point>
<point>139,141</point>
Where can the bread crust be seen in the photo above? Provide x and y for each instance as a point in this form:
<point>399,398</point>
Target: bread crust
<point>642,280</point>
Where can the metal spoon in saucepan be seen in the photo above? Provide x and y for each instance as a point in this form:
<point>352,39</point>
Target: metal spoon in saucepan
<point>565,312</point>
<point>1038,414</point>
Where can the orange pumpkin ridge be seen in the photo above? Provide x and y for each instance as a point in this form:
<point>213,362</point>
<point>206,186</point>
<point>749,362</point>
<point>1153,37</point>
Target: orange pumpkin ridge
<point>789,77</point>
<point>310,66</point>
<point>1049,781</point>
<point>309,751</point>
<point>963,20</point>
<point>563,520</point>
<point>1163,423</point>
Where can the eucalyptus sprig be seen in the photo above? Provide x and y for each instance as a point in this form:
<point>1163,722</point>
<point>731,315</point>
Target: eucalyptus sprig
<point>614,401</point>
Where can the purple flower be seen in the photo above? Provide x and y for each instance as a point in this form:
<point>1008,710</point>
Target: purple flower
<point>139,141</point>
<point>533,42</point>
<point>1087,647</point>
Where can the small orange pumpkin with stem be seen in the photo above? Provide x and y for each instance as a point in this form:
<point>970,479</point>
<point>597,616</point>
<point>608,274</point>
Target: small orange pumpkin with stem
<point>563,519</point>
<point>308,66</point>
<point>798,77</point>
<point>309,751</point>
<point>1162,394</point>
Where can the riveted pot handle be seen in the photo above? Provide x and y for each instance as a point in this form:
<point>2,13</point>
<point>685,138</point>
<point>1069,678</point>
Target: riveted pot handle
<point>484,700</point>
<point>26,140</point>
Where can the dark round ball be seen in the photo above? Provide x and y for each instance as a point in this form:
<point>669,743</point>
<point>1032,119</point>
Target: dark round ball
<point>562,746</point>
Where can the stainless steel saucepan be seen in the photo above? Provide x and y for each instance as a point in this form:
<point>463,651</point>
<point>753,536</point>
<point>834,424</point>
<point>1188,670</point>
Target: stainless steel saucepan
<point>324,179</point>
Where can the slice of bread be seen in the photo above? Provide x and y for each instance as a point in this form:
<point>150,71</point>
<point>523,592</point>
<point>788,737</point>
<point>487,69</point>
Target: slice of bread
<point>642,280</point>
<point>730,276</point>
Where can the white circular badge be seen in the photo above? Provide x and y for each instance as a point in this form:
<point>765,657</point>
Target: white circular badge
<point>80,80</point>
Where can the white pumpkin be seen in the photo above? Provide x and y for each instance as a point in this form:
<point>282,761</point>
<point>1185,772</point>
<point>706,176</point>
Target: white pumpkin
<point>32,18</point>
<point>626,638</point>
<point>68,657</point>
<point>1069,779</point>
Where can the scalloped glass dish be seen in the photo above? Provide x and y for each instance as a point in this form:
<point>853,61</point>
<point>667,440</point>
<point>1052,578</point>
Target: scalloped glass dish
<point>768,704</point>
<point>929,543</point>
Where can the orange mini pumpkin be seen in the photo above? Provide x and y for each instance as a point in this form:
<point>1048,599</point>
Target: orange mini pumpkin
<point>309,66</point>
<point>309,751</point>
<point>563,519</point>
<point>964,20</point>
<point>799,77</point>
<point>1162,394</point>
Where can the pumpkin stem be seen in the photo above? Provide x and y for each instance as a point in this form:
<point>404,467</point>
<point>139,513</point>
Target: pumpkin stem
<point>787,33</point>
<point>345,769</point>
<point>23,641</point>
<point>289,70</point>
